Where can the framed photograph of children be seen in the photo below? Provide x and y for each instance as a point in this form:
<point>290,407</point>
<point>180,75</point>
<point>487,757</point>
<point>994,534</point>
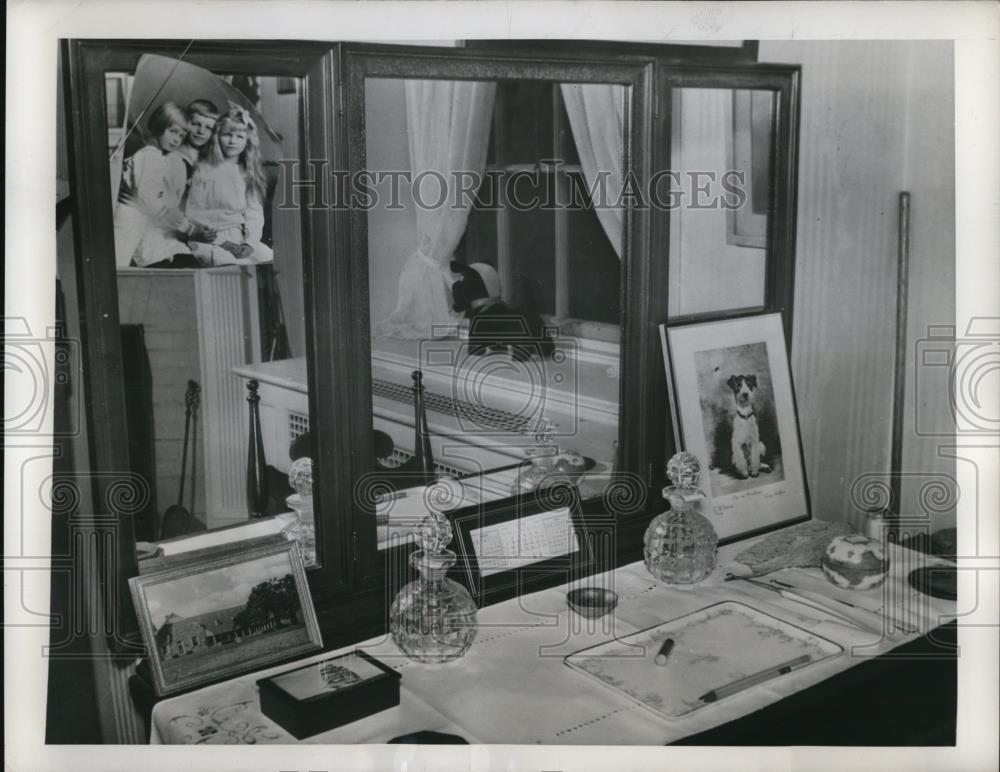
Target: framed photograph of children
<point>188,150</point>
<point>734,408</point>
<point>210,619</point>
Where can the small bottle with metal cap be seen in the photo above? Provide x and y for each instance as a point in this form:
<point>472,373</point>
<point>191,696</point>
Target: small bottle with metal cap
<point>875,523</point>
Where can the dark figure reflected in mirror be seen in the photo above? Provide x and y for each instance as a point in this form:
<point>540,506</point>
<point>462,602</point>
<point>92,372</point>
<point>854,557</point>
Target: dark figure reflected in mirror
<point>418,470</point>
<point>494,325</point>
<point>301,447</point>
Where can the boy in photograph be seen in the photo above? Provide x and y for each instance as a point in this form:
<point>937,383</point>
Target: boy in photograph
<point>202,116</point>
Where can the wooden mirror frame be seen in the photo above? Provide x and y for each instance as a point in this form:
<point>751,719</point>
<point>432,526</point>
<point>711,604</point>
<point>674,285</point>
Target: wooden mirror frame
<point>779,278</point>
<point>783,81</point>
<point>637,338</point>
<point>85,62</point>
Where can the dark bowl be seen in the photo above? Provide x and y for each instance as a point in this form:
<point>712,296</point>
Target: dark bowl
<point>591,602</point>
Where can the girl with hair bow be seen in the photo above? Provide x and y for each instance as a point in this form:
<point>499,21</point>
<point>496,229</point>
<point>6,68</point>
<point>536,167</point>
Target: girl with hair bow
<point>227,195</point>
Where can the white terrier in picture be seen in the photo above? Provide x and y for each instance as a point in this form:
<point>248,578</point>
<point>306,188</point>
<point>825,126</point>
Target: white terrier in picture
<point>747,449</point>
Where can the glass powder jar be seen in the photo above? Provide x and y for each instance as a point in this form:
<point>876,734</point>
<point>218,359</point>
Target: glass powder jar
<point>433,618</point>
<point>546,465</point>
<point>540,464</point>
<point>680,544</point>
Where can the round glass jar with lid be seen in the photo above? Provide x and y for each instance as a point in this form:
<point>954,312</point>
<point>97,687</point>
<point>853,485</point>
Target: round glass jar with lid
<point>680,545</point>
<point>545,465</point>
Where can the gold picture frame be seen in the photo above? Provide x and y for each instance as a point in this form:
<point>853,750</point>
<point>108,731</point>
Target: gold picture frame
<point>211,619</point>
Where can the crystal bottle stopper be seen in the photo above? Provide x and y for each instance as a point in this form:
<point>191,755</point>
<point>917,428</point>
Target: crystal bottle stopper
<point>300,476</point>
<point>684,470</point>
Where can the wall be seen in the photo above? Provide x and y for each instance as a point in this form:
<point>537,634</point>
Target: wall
<point>876,119</point>
<point>929,174</point>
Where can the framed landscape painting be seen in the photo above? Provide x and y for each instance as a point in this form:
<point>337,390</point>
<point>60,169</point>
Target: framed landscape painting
<point>734,408</point>
<point>212,619</point>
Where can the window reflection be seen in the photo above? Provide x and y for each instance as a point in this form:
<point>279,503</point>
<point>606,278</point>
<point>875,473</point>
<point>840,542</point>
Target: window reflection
<point>506,296</point>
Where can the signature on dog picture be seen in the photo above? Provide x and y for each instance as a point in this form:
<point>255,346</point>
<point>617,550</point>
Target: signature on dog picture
<point>738,416</point>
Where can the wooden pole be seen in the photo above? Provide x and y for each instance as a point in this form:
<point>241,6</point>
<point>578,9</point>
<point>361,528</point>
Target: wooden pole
<point>899,384</point>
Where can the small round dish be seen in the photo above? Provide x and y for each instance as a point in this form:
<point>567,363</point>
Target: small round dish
<point>591,602</point>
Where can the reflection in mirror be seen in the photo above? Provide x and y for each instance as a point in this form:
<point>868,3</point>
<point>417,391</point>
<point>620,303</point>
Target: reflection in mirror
<point>210,291</point>
<point>720,154</point>
<point>495,238</point>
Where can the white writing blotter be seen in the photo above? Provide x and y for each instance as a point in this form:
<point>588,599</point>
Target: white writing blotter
<point>721,650</point>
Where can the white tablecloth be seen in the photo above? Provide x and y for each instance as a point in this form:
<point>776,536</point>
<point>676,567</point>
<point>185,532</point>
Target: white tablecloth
<point>513,686</point>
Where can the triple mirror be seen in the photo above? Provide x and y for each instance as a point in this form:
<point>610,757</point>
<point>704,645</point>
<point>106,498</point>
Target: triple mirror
<point>511,226</point>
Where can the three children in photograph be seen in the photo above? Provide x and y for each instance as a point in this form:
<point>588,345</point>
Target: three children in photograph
<point>194,195</point>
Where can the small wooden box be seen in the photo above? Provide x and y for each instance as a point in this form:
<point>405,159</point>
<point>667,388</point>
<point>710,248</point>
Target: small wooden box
<point>329,693</point>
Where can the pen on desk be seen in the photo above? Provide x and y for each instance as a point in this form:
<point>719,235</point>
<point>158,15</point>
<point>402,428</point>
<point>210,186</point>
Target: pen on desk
<point>753,680</point>
<point>859,616</point>
<point>664,652</point>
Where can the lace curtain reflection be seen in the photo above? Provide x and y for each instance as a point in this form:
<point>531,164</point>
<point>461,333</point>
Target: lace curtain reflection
<point>597,118</point>
<point>448,125</point>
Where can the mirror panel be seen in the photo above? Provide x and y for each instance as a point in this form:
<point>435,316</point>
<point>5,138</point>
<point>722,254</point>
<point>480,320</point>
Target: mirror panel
<point>210,289</point>
<point>721,155</point>
<point>491,272</point>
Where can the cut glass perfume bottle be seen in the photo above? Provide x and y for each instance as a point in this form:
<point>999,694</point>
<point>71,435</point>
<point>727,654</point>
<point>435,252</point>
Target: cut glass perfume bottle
<point>433,618</point>
<point>680,544</point>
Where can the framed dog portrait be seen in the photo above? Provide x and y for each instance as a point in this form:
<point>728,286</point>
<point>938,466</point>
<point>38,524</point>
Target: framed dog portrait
<point>210,619</point>
<point>734,407</point>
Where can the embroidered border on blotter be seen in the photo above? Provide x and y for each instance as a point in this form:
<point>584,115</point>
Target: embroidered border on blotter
<point>562,732</point>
